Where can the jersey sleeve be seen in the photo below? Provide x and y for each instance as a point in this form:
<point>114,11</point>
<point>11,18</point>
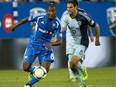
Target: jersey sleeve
<point>33,18</point>
<point>89,20</point>
<point>64,18</point>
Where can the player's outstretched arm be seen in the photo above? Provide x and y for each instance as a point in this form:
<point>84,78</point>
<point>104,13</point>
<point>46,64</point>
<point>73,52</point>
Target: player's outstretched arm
<point>97,31</point>
<point>23,21</point>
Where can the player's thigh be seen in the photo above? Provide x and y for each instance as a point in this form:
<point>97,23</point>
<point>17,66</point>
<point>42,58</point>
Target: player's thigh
<point>80,51</point>
<point>29,58</point>
<point>46,58</point>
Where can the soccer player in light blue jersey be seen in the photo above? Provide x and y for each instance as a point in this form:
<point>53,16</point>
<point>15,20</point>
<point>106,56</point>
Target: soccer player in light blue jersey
<point>76,22</point>
<point>72,77</point>
<point>41,40</point>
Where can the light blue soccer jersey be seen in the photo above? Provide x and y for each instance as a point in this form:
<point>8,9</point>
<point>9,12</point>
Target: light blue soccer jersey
<point>44,31</point>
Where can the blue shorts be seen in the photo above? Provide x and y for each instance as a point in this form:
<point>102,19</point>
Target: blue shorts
<point>43,54</point>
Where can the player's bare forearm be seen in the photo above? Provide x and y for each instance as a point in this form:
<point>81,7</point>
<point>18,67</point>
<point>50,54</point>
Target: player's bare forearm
<point>56,43</point>
<point>89,29</point>
<point>91,34</point>
<point>97,31</point>
<point>23,21</point>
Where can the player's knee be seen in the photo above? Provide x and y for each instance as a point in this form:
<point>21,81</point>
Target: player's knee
<point>72,65</point>
<point>26,68</point>
<point>74,60</point>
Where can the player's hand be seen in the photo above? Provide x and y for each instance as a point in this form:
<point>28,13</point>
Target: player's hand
<point>91,37</point>
<point>97,42</point>
<point>12,27</point>
<point>48,45</point>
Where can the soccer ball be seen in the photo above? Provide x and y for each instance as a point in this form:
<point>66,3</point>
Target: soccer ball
<point>40,72</point>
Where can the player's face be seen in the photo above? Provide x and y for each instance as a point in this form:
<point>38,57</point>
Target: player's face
<point>71,8</point>
<point>51,13</point>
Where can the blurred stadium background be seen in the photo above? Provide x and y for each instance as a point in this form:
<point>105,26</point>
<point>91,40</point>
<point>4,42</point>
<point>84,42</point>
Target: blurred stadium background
<point>13,44</point>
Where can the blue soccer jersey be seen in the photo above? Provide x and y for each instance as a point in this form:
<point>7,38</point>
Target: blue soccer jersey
<point>44,31</point>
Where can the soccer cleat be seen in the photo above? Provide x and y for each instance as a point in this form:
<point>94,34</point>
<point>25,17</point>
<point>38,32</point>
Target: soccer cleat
<point>73,79</point>
<point>84,74</point>
<point>27,86</point>
<point>82,85</point>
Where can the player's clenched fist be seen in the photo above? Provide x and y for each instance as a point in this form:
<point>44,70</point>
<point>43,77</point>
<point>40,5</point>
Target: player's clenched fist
<point>97,43</point>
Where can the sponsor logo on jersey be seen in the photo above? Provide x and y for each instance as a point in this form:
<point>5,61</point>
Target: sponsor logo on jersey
<point>44,31</point>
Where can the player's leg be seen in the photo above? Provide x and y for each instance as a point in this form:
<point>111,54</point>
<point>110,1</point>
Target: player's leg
<point>80,52</point>
<point>75,73</point>
<point>82,71</point>
<point>46,65</point>
<point>35,79</point>
<point>45,60</point>
<point>74,60</point>
<point>72,77</point>
<point>73,64</point>
<point>29,58</point>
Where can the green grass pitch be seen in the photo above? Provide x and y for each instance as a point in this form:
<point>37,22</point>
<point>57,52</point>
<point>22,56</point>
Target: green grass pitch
<point>98,77</point>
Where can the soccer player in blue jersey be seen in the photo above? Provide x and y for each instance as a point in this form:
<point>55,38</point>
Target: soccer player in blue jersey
<point>41,40</point>
<point>76,23</point>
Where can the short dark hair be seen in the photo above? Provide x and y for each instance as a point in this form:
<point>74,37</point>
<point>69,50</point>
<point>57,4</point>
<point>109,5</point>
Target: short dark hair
<point>51,4</point>
<point>74,2</point>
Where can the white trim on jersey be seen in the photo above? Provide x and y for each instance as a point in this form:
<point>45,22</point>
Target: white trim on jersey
<point>37,22</point>
<point>88,18</point>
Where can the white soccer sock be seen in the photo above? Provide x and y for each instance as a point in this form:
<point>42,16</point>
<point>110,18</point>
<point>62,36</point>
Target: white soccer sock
<point>80,66</point>
<point>80,79</point>
<point>71,74</point>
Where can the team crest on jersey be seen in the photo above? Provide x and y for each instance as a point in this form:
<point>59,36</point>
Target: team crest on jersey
<point>54,26</point>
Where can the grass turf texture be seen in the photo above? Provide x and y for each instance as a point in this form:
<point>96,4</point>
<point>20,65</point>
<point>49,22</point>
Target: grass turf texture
<point>98,77</point>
